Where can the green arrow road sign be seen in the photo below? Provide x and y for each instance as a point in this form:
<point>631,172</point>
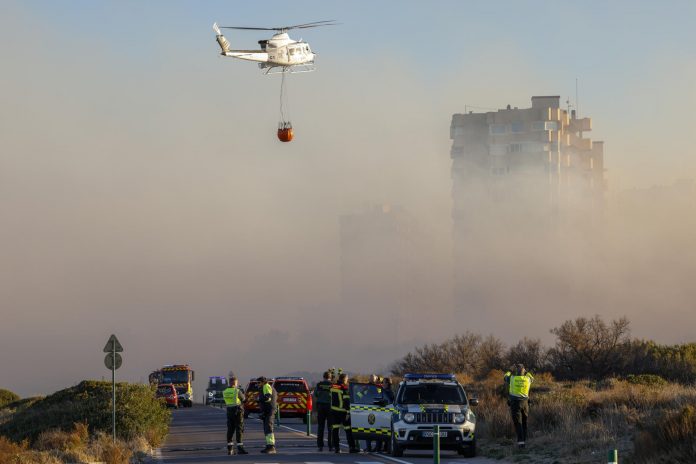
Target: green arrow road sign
<point>113,345</point>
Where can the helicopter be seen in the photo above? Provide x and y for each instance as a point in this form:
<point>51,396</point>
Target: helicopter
<point>280,53</point>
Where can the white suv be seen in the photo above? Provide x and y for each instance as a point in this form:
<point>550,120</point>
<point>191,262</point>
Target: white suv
<point>422,401</point>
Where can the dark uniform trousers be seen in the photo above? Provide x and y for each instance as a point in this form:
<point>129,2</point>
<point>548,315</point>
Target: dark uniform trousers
<point>267,416</point>
<point>341,420</point>
<point>235,423</point>
<point>519,408</point>
<point>324,420</point>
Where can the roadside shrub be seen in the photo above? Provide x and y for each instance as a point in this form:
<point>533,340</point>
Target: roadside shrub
<point>493,416</point>
<point>7,397</point>
<point>672,439</point>
<point>649,380</point>
<point>138,412</point>
<point>10,451</point>
<point>72,441</point>
<point>109,452</point>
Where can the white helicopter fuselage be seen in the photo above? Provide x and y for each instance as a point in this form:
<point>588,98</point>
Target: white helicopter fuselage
<point>278,51</point>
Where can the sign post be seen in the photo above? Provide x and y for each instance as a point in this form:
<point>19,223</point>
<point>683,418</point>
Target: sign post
<point>436,444</point>
<point>113,361</point>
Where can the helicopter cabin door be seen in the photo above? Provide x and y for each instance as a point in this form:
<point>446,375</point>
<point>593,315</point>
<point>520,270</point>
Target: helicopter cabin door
<point>370,415</point>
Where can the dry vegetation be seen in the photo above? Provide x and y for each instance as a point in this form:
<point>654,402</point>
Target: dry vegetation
<point>73,425</point>
<point>58,447</point>
<point>580,421</point>
<point>613,392</point>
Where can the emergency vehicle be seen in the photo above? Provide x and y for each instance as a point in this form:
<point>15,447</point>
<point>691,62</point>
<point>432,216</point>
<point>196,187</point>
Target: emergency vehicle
<point>251,401</point>
<point>422,401</point>
<point>294,397</point>
<point>168,392</point>
<point>179,375</point>
<point>216,385</point>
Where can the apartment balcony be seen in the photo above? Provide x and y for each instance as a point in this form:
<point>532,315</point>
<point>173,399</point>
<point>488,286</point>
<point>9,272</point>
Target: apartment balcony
<point>580,125</point>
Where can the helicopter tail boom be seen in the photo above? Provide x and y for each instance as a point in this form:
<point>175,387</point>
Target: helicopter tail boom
<point>221,40</point>
<point>226,49</point>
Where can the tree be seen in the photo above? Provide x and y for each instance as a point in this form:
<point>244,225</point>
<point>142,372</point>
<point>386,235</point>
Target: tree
<point>589,348</point>
<point>530,353</point>
<point>466,353</point>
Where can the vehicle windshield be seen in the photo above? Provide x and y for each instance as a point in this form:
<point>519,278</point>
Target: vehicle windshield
<point>175,376</point>
<point>365,393</point>
<point>217,384</point>
<point>431,393</point>
<point>293,387</point>
<point>164,390</point>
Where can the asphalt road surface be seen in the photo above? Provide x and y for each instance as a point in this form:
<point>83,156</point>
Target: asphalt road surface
<point>198,435</point>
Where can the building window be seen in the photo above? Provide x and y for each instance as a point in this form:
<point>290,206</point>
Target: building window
<point>517,127</point>
<point>515,148</point>
<point>539,126</point>
<point>496,129</point>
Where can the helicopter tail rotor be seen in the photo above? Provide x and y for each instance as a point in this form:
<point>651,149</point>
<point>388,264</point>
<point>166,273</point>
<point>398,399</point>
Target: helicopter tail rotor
<point>221,40</point>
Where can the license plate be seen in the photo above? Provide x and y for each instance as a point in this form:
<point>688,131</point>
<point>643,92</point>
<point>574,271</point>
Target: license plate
<point>430,434</point>
<point>290,400</point>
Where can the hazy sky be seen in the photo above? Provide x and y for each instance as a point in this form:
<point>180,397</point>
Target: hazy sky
<point>143,191</point>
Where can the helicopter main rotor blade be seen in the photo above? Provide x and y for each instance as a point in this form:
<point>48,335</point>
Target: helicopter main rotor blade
<point>329,22</point>
<point>250,28</point>
<point>313,24</point>
<point>316,25</point>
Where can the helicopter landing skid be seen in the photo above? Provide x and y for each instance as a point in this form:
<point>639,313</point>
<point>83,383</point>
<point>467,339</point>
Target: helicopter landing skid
<point>298,68</point>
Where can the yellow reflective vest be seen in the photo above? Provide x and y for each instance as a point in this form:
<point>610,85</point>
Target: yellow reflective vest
<point>231,397</point>
<point>519,384</point>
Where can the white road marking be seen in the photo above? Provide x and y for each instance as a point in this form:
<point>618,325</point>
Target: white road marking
<point>400,461</point>
<point>366,462</point>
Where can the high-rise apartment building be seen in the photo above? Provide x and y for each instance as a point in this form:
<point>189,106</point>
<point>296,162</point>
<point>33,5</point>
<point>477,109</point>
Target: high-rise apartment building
<point>519,176</point>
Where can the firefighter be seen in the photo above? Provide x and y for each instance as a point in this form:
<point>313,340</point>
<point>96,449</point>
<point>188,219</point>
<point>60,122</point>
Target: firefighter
<point>268,402</point>
<point>234,400</point>
<point>340,414</point>
<point>322,398</point>
<point>519,381</point>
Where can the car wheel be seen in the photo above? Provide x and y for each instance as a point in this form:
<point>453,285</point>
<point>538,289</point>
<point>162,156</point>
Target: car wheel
<point>396,449</point>
<point>468,451</point>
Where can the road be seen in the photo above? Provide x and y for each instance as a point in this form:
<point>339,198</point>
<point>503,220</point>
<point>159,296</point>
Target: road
<point>197,435</point>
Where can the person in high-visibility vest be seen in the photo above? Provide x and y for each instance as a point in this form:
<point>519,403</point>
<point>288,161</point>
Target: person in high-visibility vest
<point>340,414</point>
<point>519,382</point>
<point>268,402</point>
<point>234,400</point>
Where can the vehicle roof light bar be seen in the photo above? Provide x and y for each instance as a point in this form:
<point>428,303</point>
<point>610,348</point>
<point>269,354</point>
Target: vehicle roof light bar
<point>430,377</point>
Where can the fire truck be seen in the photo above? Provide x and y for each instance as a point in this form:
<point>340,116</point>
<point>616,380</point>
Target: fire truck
<point>179,375</point>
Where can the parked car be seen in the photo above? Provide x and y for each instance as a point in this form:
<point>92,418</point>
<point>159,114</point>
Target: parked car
<point>168,392</point>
